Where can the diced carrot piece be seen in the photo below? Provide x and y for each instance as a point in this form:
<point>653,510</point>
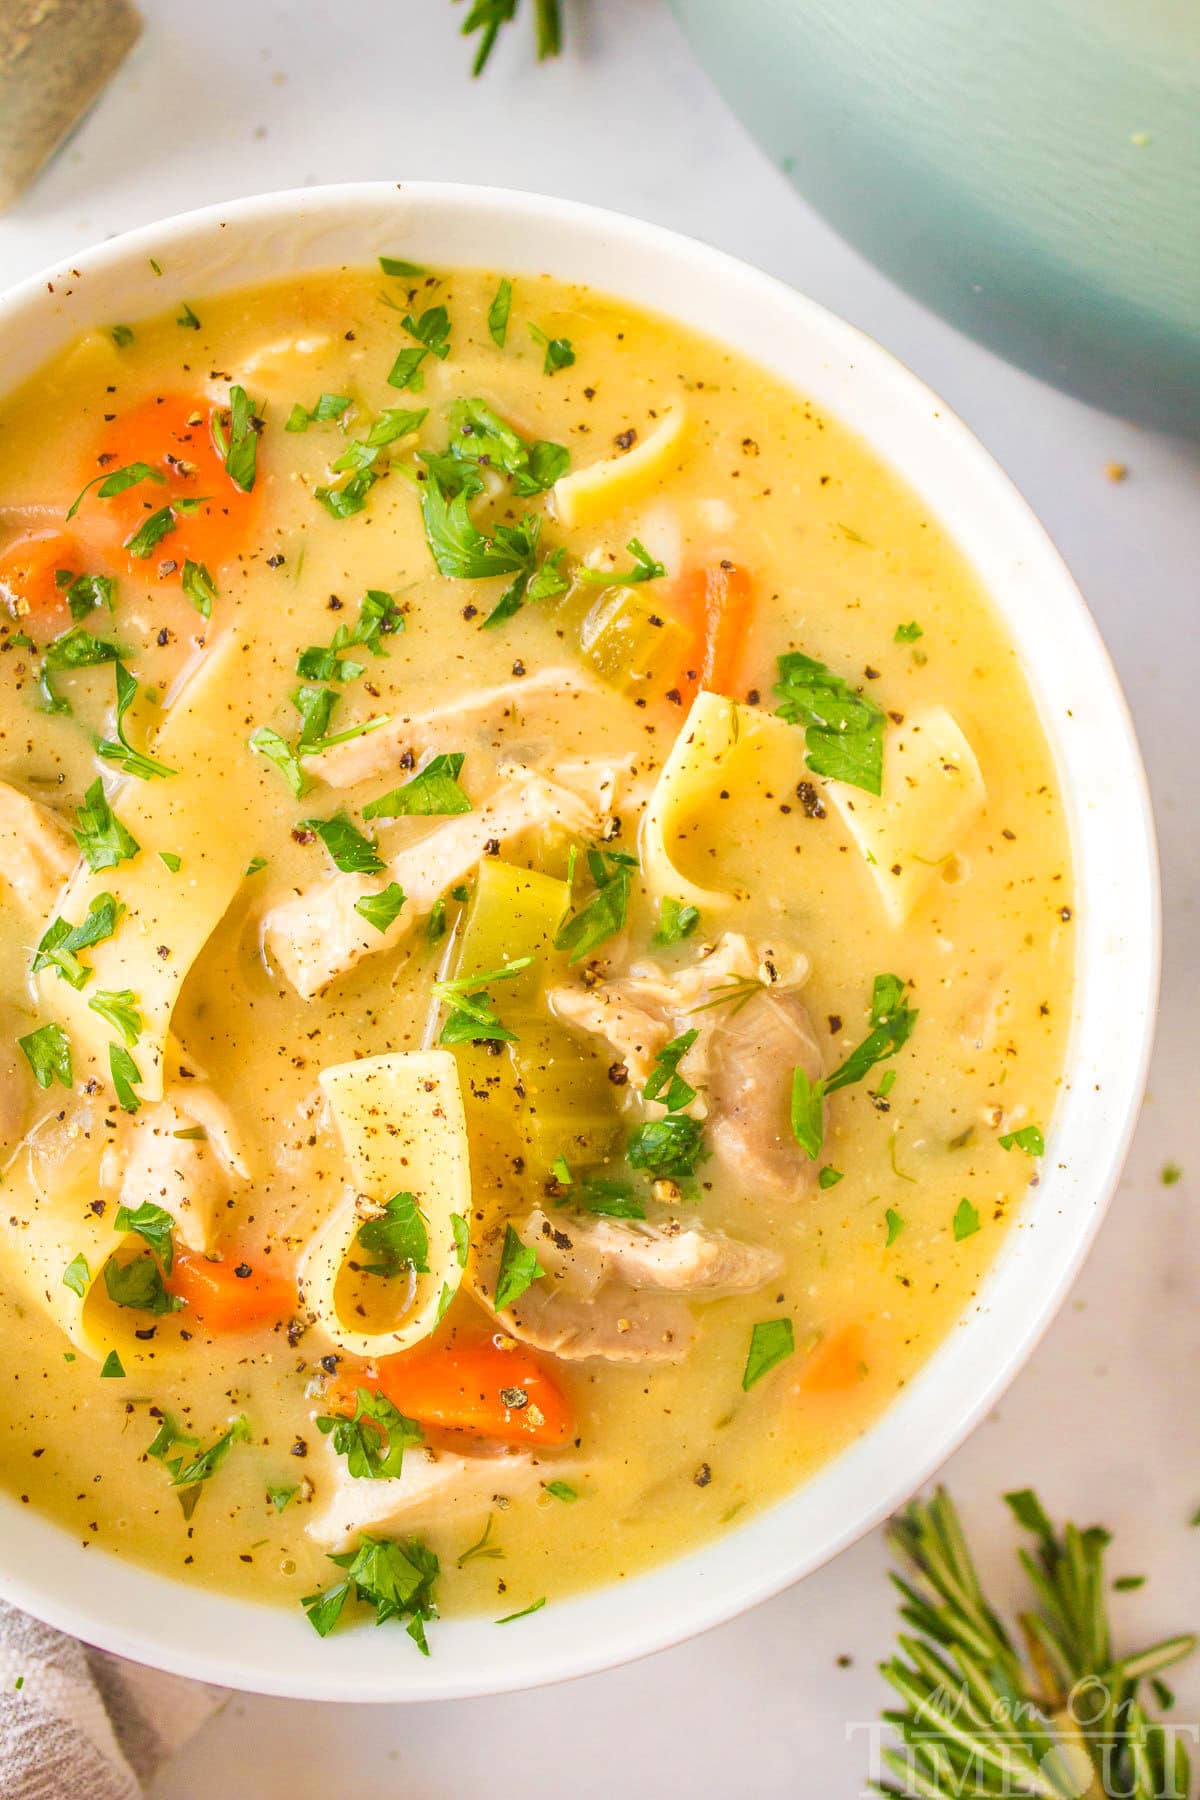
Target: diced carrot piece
<point>716,603</point>
<point>174,435</point>
<point>231,1295</point>
<point>477,1387</point>
<point>837,1364</point>
<point>29,569</point>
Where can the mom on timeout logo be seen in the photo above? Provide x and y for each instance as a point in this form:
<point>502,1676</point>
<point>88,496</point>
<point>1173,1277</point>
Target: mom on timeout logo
<point>1095,1748</point>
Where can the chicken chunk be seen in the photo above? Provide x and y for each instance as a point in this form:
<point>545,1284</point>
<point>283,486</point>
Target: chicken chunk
<point>433,1488</point>
<point>179,1153</point>
<point>319,934</point>
<point>527,712</point>
<point>37,852</point>
<point>618,1288</point>
<point>754,1030</point>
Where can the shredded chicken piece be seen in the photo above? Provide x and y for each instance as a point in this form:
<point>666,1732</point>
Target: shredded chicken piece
<point>617,1288</point>
<point>318,935</point>
<point>528,713</point>
<point>432,1489</point>
<point>159,1157</point>
<point>37,852</point>
<point>754,1030</point>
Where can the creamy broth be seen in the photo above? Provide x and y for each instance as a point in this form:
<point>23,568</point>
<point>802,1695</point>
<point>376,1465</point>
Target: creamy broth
<point>870,1249</point>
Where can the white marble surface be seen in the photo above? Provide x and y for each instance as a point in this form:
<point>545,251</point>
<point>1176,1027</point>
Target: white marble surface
<point>227,98</point>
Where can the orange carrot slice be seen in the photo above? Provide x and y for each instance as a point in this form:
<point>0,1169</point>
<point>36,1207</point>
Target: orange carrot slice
<point>716,603</point>
<point>477,1387</point>
<point>232,1294</point>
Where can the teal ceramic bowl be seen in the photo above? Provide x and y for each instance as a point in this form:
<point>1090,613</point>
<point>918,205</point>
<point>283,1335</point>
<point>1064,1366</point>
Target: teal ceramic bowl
<point>1030,169</point>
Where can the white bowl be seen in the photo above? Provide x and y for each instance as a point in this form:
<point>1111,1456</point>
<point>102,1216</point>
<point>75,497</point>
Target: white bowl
<point>268,1650</point>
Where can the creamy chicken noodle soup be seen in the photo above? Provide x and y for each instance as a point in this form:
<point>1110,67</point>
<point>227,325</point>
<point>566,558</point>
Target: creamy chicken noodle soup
<point>536,945</point>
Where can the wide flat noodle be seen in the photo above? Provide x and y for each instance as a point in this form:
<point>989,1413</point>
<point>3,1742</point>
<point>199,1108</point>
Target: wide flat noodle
<point>605,487</point>
<point>404,1131</point>
<point>50,1221</point>
<point>933,792</point>
<point>722,747</point>
<point>169,916</point>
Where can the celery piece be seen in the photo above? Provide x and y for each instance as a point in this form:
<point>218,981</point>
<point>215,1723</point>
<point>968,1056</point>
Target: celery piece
<point>623,633</point>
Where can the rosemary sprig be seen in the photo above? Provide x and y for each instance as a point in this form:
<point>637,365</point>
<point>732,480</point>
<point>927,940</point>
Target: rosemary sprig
<point>488,17</point>
<point>1062,1721</point>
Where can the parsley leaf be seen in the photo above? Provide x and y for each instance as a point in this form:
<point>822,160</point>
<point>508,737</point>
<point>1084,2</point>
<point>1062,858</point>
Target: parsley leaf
<point>138,1285</point>
<point>112,1368</point>
<point>534,1606</point>
<point>117,482</point>
<point>829,1177</point>
<point>352,852</point>
<point>280,1496</point>
<point>519,1269</point>
<point>433,792</point>
<point>432,332</point>
<point>118,1007</point>
<point>329,406</point>
<point>808,1112</point>
<point>966,1221</point>
<point>1029,1138</point>
<point>892,1021</point>
<point>277,750</point>
<point>394,1575</point>
<point>498,312</point>
<point>462,1238</point>
<point>122,752</point>
<point>562,1490</point>
<point>604,914</point>
<point>100,835</point>
<point>396,265</point>
<point>609,1199</point>
<point>199,587</point>
<point>472,1018</point>
<point>895,1225</point>
<point>60,943</point>
<point>48,1053</point>
<point>374,1440</point>
<point>480,435</point>
<point>645,569</point>
<point>125,1075</point>
<point>843,730</point>
<point>154,1225</point>
<point>668,1147</point>
<point>315,706</point>
<point>85,593</point>
<point>382,909</point>
<point>240,449</point>
<point>72,649</point>
<point>459,548</point>
<point>665,1074</point>
<point>397,1239</point>
<point>77,1275</point>
<point>771,1342</point>
<point>908,634</point>
<point>207,1462</point>
<point>559,351</point>
<point>675,921</point>
<point>150,533</point>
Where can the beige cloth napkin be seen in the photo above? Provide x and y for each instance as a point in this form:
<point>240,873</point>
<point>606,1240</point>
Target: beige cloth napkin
<point>78,1724</point>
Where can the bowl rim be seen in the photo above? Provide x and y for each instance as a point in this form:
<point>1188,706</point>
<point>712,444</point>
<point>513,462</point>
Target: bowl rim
<point>750,1562</point>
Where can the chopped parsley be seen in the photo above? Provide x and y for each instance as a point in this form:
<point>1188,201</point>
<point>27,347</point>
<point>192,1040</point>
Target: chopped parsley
<point>48,1053</point>
<point>843,730</point>
<point>471,1017</point>
<point>966,1221</point>
<point>378,617</point>
<point>461,551</point>
<point>154,1225</point>
<point>112,1369</point>
<point>352,852</point>
<point>908,634</point>
<point>100,835</point>
<point>480,435</point>
<point>238,449</point>
<point>519,1269</point>
<point>125,1076</point>
<point>394,1575</point>
<point>829,1176</point>
<point>667,1148</point>
<point>562,1490</point>
<point>118,1007</point>
<point>121,335</point>
<point>396,265</point>
<point>120,750</point>
<point>199,587</point>
<point>382,909</point>
<point>534,1606</point>
<point>609,1199</point>
<point>72,649</point>
<point>1029,1138</point>
<point>374,1439</point>
<point>895,1225</point>
<point>276,749</point>
<point>645,568</point>
<point>432,332</point>
<point>202,1466</point>
<point>329,406</point>
<point>117,482</point>
<point>397,1239</point>
<point>559,351</point>
<point>139,1285</point>
<point>498,312</point>
<point>150,533</point>
<point>77,1275</point>
<point>675,921</point>
<point>665,1074</point>
<point>315,706</point>
<point>280,1496</point>
<point>892,1022</point>
<point>771,1341</point>
<point>86,593</point>
<point>61,942</point>
<point>604,914</point>
<point>434,792</point>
